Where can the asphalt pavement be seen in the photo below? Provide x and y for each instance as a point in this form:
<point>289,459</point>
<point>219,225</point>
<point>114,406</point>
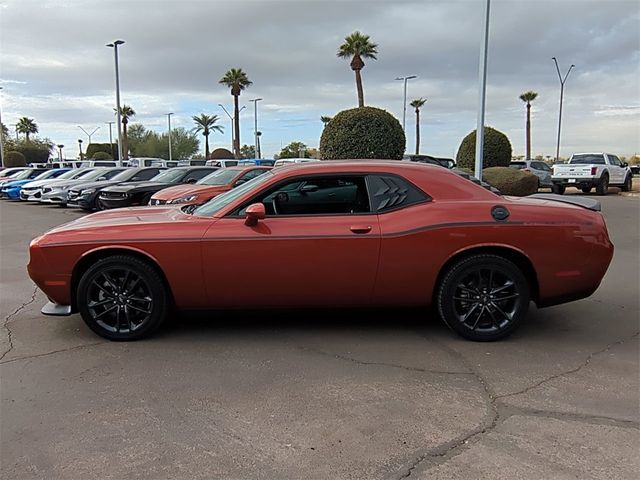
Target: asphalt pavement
<point>349,394</point>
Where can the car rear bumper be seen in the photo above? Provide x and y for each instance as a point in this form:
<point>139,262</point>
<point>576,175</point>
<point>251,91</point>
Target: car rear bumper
<point>576,181</point>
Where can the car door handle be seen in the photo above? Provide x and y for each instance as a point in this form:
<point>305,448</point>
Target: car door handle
<point>361,228</point>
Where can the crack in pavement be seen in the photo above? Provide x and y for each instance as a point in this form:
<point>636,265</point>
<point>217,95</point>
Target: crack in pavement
<point>507,411</point>
<point>568,372</point>
<point>53,352</point>
<point>382,364</point>
<point>5,323</point>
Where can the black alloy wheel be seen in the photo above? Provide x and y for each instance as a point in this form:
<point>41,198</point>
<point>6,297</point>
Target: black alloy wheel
<point>628,184</point>
<point>484,297</point>
<point>122,298</point>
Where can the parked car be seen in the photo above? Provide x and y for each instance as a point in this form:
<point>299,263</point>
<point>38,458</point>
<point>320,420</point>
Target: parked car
<point>86,195</point>
<point>222,163</point>
<point>151,162</point>
<point>263,162</point>
<point>10,171</point>
<point>98,163</point>
<point>293,161</point>
<point>538,168</point>
<point>335,234</point>
<point>28,174</point>
<point>139,193</point>
<point>198,162</point>
<point>57,192</point>
<point>442,162</point>
<point>635,169</point>
<point>11,190</point>
<point>32,191</point>
<point>210,186</point>
<point>588,170</point>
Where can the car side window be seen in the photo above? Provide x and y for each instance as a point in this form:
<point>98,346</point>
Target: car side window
<point>145,174</point>
<point>390,192</point>
<point>613,160</point>
<point>250,175</point>
<point>321,195</point>
<point>196,175</point>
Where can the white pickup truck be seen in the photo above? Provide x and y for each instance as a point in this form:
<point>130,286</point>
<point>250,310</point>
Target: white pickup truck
<point>588,170</point>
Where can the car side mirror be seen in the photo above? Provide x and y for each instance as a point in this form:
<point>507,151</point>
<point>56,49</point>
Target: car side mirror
<point>254,212</point>
<point>191,180</point>
<point>625,164</point>
<point>309,188</point>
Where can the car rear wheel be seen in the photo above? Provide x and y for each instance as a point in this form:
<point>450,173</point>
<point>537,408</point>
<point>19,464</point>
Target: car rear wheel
<point>122,298</point>
<point>483,297</point>
<point>603,187</point>
<point>557,188</point>
<point>586,189</point>
<point>628,184</point>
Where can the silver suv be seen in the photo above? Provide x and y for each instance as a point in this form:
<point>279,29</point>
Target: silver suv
<point>538,168</point>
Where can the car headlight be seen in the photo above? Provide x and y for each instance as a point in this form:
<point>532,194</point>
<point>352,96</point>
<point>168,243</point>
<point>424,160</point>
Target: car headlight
<point>188,198</point>
<point>88,191</point>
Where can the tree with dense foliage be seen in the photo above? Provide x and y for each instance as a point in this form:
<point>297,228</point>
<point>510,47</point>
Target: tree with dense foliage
<point>27,126</point>
<point>417,104</point>
<point>236,79</point>
<point>35,150</point>
<point>356,47</point>
<point>109,149</point>
<point>14,159</point>
<point>5,130</point>
<point>528,97</point>
<point>206,124</point>
<point>294,150</point>
<point>147,143</point>
<point>126,113</point>
<point>248,151</point>
<point>363,132</point>
<point>496,151</point>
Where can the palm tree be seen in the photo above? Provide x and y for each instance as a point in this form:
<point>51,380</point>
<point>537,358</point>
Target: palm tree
<point>324,119</point>
<point>126,112</point>
<point>5,130</point>
<point>358,46</point>
<point>205,124</point>
<point>27,126</point>
<point>417,104</point>
<point>237,81</point>
<point>528,97</point>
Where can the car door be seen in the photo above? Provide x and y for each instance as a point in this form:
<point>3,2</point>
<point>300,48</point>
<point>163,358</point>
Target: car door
<point>313,257</point>
<point>616,170</point>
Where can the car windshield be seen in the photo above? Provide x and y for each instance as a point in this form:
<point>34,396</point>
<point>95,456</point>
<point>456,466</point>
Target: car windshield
<point>170,176</point>
<point>125,175</point>
<point>218,203</point>
<point>24,174</point>
<point>93,174</point>
<point>588,158</point>
<point>219,177</point>
<point>46,174</point>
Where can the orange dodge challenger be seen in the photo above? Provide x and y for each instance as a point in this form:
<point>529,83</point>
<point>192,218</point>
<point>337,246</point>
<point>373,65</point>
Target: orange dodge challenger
<point>335,233</point>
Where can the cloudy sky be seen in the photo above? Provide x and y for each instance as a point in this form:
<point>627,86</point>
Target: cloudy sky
<point>55,68</point>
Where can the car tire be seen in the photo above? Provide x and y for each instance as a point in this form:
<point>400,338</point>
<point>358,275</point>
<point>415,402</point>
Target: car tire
<point>483,297</point>
<point>146,199</point>
<point>122,298</point>
<point>557,189</point>
<point>586,189</point>
<point>603,186</point>
<point>627,186</point>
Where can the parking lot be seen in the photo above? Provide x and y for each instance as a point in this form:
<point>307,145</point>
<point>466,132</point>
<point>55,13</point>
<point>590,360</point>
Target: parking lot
<point>355,394</point>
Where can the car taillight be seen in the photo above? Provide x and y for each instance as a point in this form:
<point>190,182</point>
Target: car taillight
<point>594,170</point>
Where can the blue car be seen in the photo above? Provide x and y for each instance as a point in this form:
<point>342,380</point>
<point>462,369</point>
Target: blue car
<point>11,190</point>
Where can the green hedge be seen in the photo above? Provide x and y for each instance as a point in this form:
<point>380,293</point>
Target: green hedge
<point>108,148</point>
<point>364,132</point>
<point>496,151</point>
<point>33,153</point>
<point>14,159</point>
<point>102,156</point>
<point>511,181</point>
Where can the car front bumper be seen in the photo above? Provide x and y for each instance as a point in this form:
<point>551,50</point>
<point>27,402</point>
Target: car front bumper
<point>31,195</point>
<point>56,197</point>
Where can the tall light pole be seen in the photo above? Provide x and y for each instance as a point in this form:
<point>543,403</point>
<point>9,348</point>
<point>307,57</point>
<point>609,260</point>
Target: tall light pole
<point>87,133</point>
<point>231,119</point>
<point>562,81</point>
<point>404,102</point>
<point>114,45</point>
<point>60,147</point>
<point>1,139</point>
<point>255,126</point>
<point>110,138</point>
<point>80,147</point>
<point>482,78</point>
<point>169,121</point>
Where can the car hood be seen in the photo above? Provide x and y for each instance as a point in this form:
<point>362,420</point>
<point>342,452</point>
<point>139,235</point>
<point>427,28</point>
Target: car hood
<point>127,186</point>
<point>189,189</point>
<point>64,183</point>
<point>42,183</point>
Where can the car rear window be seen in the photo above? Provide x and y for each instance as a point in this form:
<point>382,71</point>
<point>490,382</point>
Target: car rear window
<point>589,158</point>
<point>518,165</point>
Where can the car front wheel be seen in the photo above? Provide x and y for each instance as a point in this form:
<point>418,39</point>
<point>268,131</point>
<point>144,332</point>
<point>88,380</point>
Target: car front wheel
<point>628,184</point>
<point>483,297</point>
<point>122,298</point>
<point>557,188</point>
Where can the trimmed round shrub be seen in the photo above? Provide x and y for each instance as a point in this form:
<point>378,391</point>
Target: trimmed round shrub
<point>109,149</point>
<point>14,159</point>
<point>102,156</point>
<point>364,132</point>
<point>496,151</point>
<point>220,154</point>
<point>511,181</point>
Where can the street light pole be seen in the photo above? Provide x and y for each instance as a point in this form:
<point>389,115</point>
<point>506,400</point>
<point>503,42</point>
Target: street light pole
<point>60,147</point>
<point>562,81</point>
<point>482,74</point>
<point>110,138</point>
<point>232,121</point>
<point>255,126</point>
<point>404,102</point>
<point>80,147</point>
<point>114,45</point>
<point>87,133</point>
<point>169,121</point>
